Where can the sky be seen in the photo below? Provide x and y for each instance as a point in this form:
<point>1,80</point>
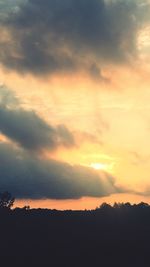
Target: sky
<point>75,102</point>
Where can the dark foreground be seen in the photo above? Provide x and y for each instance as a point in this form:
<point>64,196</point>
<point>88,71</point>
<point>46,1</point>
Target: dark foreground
<point>118,237</point>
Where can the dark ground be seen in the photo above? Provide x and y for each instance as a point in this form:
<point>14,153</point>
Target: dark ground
<point>115,237</point>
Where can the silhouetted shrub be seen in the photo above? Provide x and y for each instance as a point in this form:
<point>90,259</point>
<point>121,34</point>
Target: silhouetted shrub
<point>6,200</point>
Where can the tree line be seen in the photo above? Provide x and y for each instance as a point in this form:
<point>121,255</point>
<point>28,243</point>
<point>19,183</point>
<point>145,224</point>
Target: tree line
<point>116,236</point>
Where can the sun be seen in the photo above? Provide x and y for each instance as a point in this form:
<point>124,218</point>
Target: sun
<point>99,166</point>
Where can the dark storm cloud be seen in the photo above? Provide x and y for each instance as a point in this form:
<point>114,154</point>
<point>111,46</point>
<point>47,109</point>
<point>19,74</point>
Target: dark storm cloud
<point>27,128</point>
<point>48,36</point>
<point>26,176</point>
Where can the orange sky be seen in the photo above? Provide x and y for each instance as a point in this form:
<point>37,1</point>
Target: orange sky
<point>83,203</point>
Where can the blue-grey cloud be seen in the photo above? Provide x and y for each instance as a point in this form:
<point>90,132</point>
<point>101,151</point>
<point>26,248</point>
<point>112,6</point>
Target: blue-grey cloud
<point>27,176</point>
<point>27,129</point>
<point>8,7</point>
<point>48,36</point>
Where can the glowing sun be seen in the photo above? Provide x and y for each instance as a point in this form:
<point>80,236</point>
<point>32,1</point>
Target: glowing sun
<point>99,166</point>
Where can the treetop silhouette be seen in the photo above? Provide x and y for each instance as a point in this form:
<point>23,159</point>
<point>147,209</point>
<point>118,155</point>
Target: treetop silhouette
<point>6,200</point>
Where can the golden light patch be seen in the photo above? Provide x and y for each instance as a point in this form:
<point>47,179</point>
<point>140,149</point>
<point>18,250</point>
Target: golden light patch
<point>99,166</point>
<point>144,38</point>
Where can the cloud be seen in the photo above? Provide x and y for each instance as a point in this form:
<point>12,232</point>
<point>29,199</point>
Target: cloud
<point>27,129</point>
<point>8,6</point>
<point>49,36</point>
<point>27,176</point>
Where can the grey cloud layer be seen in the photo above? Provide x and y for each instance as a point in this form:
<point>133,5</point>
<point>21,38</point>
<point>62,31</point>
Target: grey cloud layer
<point>48,36</point>
<point>27,128</point>
<point>26,176</point>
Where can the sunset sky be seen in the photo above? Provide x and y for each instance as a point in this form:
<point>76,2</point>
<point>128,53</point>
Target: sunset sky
<point>75,102</point>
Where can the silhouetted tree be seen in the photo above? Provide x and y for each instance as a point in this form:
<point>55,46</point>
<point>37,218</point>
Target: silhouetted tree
<point>142,205</point>
<point>118,205</point>
<point>6,200</point>
<point>104,205</point>
<point>26,208</point>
